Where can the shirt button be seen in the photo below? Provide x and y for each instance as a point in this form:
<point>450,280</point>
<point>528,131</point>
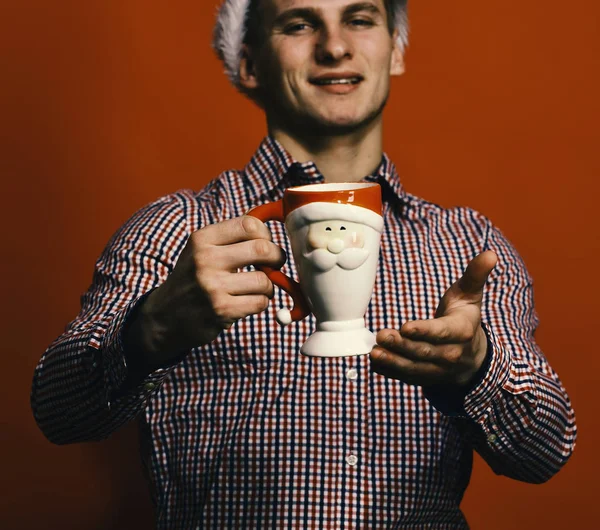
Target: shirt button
<point>492,438</point>
<point>149,387</point>
<point>352,460</point>
<point>352,374</point>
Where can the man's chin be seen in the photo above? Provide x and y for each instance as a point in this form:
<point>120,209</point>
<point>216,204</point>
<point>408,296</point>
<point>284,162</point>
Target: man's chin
<point>340,127</point>
<point>322,121</point>
<point>336,125</point>
<point>343,121</point>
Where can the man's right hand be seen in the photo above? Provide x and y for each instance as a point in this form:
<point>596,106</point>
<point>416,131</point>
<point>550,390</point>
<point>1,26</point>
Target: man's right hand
<point>205,293</point>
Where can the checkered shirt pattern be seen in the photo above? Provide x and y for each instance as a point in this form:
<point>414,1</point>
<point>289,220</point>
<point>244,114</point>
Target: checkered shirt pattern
<point>247,433</point>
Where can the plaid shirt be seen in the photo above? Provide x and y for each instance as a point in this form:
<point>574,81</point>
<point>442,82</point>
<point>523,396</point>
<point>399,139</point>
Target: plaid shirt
<point>247,433</point>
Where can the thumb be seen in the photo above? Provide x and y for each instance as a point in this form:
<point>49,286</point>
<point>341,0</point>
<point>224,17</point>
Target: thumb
<point>476,274</point>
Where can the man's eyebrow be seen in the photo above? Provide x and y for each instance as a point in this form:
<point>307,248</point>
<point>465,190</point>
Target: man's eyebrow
<point>362,6</point>
<point>311,13</point>
<point>307,13</point>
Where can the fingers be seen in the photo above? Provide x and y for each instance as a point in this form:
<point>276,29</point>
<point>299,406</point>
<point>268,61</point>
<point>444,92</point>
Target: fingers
<point>238,255</point>
<point>419,351</point>
<point>411,371</point>
<point>245,283</point>
<point>477,272</point>
<point>234,230</point>
<point>468,289</point>
<point>222,285</point>
<point>456,328</point>
<point>234,244</point>
<point>229,308</point>
<point>235,296</point>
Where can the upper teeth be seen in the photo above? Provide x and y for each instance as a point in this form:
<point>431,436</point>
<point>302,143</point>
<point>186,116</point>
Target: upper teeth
<point>347,81</point>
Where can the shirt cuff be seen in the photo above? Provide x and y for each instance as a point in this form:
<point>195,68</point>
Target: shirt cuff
<point>465,402</point>
<point>114,361</point>
<point>480,399</point>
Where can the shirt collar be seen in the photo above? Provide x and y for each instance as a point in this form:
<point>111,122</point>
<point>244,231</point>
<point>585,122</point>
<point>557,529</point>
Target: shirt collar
<point>272,169</point>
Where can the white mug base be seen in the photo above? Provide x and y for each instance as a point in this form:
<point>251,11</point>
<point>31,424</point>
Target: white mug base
<point>345,343</point>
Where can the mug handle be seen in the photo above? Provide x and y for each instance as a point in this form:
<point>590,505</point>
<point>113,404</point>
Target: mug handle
<point>273,211</point>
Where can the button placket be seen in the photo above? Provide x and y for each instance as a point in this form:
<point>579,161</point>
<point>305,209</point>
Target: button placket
<point>350,380</point>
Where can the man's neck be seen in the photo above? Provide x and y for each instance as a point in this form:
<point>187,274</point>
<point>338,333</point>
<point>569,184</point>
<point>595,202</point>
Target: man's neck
<point>347,158</point>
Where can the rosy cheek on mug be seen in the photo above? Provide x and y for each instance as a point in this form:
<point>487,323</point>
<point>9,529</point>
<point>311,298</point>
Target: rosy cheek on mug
<point>335,236</point>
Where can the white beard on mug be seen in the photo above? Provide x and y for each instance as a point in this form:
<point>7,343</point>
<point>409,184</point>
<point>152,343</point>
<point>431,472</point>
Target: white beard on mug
<point>348,259</point>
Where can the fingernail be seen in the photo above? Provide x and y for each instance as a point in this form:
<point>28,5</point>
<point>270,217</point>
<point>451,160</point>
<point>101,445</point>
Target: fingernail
<point>388,341</point>
<point>377,353</point>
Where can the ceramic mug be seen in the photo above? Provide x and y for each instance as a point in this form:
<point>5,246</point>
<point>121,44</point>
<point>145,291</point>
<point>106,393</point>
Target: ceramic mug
<point>335,232</point>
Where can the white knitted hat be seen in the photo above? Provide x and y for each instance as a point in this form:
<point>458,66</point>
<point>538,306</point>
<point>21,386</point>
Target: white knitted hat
<point>230,30</point>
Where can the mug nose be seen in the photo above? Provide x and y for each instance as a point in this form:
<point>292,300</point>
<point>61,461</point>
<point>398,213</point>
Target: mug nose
<point>335,246</point>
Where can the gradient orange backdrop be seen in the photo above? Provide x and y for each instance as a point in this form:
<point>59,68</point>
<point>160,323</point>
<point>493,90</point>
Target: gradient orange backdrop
<point>106,105</point>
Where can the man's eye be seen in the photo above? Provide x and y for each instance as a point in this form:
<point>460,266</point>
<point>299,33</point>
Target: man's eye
<point>361,22</point>
<point>298,27</point>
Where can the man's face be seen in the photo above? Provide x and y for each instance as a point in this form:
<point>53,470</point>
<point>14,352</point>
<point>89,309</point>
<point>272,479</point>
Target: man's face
<point>324,65</point>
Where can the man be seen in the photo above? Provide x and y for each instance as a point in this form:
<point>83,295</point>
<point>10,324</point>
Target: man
<point>241,430</point>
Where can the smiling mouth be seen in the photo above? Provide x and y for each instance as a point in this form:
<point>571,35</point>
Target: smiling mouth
<point>331,81</point>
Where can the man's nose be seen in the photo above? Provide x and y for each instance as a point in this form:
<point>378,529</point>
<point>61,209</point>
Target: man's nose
<point>335,246</point>
<point>333,45</point>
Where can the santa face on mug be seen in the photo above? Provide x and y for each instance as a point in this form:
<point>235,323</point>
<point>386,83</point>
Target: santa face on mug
<point>331,243</point>
<point>336,258</point>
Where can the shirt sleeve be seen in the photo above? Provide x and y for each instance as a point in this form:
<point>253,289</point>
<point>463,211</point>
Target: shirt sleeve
<point>81,387</point>
<point>518,415</point>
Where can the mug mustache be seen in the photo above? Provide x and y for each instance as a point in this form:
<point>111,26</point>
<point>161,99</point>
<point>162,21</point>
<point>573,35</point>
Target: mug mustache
<point>348,259</point>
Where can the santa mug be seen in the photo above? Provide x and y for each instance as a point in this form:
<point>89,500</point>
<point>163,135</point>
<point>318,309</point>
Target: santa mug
<point>335,232</point>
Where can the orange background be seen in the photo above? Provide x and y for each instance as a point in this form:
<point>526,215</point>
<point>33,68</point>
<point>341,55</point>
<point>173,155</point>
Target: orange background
<point>106,105</point>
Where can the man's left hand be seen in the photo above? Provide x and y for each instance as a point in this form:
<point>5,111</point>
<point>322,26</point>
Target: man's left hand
<point>448,349</point>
